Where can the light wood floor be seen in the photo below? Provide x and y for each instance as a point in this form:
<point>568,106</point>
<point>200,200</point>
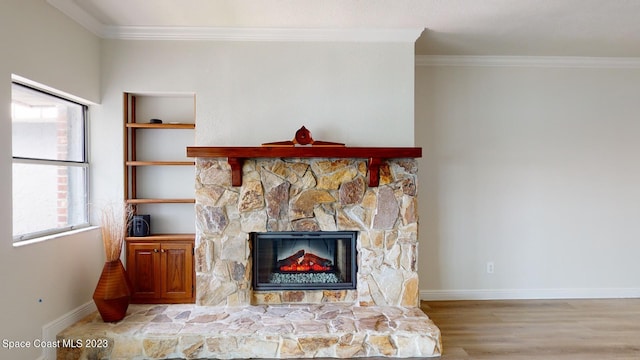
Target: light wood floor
<point>538,329</point>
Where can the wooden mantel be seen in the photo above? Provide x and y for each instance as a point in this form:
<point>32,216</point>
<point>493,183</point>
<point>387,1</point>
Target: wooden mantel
<point>236,155</point>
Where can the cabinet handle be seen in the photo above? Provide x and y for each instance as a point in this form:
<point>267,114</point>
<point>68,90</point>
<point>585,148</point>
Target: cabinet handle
<point>162,250</point>
<point>155,250</point>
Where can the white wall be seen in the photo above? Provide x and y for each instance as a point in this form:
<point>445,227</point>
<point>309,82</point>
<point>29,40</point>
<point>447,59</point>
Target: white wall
<point>43,45</point>
<point>248,93</point>
<point>535,169</point>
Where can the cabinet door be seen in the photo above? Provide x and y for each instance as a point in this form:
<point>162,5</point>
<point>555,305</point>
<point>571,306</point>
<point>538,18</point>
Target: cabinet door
<point>177,271</point>
<point>143,267</point>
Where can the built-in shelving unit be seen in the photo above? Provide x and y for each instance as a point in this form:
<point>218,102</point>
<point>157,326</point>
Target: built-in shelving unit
<point>160,264</point>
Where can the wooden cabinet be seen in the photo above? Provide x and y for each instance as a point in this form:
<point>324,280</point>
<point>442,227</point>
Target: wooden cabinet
<point>161,271</point>
<point>159,181</point>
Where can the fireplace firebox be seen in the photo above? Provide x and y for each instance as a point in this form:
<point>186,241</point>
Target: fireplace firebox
<point>322,260</point>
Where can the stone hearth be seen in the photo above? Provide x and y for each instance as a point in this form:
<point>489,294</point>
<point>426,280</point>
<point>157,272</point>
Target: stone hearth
<point>265,331</point>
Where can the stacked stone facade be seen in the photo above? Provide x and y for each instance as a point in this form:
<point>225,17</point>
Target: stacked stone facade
<point>307,195</point>
<point>230,320</point>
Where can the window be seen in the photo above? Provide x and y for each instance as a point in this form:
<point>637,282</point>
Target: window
<point>49,163</point>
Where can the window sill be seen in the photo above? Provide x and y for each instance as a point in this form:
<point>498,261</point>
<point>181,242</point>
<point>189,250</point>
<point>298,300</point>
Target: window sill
<point>54,236</point>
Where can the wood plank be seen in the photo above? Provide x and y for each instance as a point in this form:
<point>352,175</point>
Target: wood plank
<point>304,152</point>
<point>160,163</point>
<point>538,329</point>
<point>160,126</point>
<point>160,201</point>
<point>163,237</point>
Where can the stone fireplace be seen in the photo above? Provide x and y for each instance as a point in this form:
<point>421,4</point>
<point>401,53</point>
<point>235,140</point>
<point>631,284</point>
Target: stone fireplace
<point>303,195</point>
<point>282,197</point>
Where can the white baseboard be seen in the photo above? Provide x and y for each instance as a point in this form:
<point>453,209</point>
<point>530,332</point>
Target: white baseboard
<point>51,330</point>
<point>523,294</point>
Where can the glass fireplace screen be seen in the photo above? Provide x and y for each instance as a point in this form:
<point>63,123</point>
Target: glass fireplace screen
<point>322,260</point>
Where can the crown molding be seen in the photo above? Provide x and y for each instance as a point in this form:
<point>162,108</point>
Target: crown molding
<point>530,61</point>
<point>76,13</point>
<point>260,34</point>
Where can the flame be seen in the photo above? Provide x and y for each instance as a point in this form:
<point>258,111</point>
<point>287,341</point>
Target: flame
<point>305,267</point>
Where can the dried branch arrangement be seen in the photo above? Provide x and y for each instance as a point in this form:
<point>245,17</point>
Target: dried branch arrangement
<point>114,225</point>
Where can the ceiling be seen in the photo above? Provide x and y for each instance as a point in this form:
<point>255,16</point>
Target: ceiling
<point>591,28</point>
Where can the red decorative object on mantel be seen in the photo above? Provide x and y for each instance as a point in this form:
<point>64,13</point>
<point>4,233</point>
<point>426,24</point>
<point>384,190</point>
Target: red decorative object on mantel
<point>310,149</point>
<point>303,138</point>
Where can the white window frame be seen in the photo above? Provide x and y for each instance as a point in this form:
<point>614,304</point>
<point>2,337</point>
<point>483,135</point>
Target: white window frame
<point>84,164</point>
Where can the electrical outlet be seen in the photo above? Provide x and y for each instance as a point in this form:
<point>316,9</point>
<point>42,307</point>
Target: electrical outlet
<point>490,267</point>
